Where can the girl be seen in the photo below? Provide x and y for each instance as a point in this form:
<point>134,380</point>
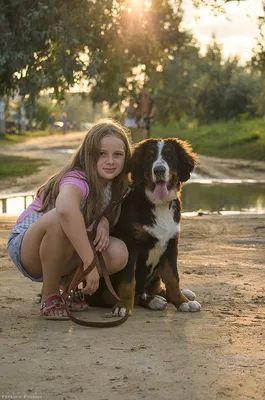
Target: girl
<point>49,239</point>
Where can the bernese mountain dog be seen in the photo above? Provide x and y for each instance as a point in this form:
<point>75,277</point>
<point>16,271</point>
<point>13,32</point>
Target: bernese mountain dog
<point>149,224</point>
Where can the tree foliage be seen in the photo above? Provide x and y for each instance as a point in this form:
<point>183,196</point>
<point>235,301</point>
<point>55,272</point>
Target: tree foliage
<point>54,43</point>
<point>41,42</point>
<point>207,88</point>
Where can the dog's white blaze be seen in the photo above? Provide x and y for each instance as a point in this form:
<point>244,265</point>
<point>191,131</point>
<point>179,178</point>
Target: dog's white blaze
<point>164,229</point>
<point>160,161</point>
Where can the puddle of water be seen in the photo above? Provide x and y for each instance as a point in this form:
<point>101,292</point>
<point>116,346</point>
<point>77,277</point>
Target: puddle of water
<point>201,193</point>
<point>224,197</point>
<point>67,151</point>
<point>196,178</point>
<point>15,205</point>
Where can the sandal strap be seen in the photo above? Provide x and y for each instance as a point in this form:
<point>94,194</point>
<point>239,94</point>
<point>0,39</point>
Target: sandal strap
<point>55,301</point>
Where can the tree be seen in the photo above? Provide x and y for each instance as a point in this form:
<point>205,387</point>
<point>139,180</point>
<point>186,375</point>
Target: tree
<point>145,38</point>
<point>174,86</point>
<point>41,42</point>
<point>54,43</point>
<point>225,89</point>
<point>207,88</point>
<point>258,60</point>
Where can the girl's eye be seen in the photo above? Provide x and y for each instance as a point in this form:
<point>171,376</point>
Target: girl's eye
<point>119,154</point>
<point>102,153</point>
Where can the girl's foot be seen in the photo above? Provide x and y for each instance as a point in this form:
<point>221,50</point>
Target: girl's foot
<point>54,308</point>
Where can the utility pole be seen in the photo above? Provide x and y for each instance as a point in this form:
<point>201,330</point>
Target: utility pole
<point>2,117</point>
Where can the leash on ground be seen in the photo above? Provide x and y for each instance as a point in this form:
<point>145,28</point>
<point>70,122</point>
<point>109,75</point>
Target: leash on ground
<point>80,274</point>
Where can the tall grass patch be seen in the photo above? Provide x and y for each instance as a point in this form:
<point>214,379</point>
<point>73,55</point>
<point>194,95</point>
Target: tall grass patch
<point>232,139</point>
<point>18,166</point>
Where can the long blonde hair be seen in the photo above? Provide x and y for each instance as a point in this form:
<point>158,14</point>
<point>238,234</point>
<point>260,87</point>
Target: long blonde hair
<point>85,159</point>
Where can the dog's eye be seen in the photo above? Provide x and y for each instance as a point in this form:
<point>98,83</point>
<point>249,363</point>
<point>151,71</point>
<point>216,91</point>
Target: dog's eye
<point>169,154</point>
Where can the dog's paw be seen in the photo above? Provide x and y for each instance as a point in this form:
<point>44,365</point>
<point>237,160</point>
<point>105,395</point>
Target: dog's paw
<point>157,303</point>
<point>118,311</point>
<point>190,306</point>
<point>189,294</point>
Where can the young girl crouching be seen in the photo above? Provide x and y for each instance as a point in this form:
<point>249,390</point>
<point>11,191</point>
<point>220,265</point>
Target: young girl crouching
<point>49,240</point>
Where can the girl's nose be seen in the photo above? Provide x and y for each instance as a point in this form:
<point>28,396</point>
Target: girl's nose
<point>110,159</point>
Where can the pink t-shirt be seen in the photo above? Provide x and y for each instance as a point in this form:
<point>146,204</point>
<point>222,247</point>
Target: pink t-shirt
<point>76,178</point>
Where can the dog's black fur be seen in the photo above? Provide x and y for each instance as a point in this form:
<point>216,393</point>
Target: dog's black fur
<point>149,225</point>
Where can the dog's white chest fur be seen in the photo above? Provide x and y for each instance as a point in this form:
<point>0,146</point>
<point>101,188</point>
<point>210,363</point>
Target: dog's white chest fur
<point>164,229</point>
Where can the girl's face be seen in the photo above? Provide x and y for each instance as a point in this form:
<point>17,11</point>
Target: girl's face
<point>111,158</point>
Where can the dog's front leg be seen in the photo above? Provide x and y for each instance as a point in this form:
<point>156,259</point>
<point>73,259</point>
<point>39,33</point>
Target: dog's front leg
<point>169,274</point>
<point>126,289</point>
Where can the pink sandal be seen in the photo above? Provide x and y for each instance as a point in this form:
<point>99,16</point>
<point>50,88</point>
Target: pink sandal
<point>54,308</point>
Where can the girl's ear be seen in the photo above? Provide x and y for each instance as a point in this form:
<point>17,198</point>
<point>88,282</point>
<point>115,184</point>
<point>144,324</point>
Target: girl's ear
<point>187,160</point>
<point>135,164</point>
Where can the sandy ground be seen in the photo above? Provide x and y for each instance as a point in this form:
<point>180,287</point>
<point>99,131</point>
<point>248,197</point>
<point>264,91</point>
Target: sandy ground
<point>218,353</point>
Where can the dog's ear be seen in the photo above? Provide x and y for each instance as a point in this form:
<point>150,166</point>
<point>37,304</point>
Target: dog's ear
<point>135,164</point>
<point>187,159</point>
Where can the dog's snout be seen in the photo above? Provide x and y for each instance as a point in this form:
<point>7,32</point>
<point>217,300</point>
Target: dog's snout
<point>159,170</point>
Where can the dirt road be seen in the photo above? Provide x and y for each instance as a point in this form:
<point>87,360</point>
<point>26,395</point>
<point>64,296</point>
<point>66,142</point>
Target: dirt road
<point>218,353</point>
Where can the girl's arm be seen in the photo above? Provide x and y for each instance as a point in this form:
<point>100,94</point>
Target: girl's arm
<point>72,222</point>
<point>101,240</point>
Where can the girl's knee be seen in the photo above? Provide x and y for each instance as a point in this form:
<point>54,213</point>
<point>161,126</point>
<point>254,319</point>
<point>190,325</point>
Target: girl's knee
<point>54,228</point>
<point>118,255</point>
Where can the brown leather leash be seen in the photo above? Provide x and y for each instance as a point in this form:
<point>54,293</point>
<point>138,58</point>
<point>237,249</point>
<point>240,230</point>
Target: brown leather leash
<point>80,274</point>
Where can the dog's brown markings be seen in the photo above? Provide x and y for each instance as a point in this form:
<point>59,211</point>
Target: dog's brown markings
<point>139,233</point>
<point>174,176</point>
<point>149,184</point>
<point>169,150</point>
<point>126,293</point>
<point>172,285</point>
<point>175,183</point>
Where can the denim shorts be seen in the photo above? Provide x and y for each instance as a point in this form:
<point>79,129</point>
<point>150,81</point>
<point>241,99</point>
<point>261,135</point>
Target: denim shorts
<point>15,239</point>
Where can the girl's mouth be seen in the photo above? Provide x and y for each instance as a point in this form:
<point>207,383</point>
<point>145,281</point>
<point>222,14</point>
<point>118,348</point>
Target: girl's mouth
<point>109,169</point>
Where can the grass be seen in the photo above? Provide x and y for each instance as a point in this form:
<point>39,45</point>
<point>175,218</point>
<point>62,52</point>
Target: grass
<point>18,166</point>
<point>232,139</point>
<point>18,138</point>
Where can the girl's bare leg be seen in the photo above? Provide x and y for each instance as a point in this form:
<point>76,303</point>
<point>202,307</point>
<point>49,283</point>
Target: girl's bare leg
<point>46,251</point>
<point>115,256</point>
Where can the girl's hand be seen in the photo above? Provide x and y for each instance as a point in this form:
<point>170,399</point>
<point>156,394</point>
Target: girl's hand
<point>101,240</point>
<point>92,282</point>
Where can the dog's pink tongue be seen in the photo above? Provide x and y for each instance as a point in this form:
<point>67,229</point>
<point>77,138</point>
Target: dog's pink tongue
<point>161,191</point>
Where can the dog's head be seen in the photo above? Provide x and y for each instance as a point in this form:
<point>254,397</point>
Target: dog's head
<point>162,165</point>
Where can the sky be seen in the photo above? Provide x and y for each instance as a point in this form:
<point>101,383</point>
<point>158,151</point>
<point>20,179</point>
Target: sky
<point>237,34</point>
